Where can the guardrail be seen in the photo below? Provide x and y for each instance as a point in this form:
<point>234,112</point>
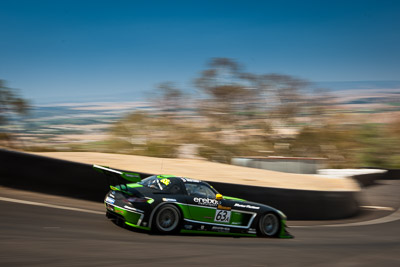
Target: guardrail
<point>77,180</point>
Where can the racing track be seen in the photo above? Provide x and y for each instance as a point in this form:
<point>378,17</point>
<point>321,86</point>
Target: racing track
<point>38,230</point>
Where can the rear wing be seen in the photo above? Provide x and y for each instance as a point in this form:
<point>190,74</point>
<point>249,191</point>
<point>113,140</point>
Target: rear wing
<point>116,177</point>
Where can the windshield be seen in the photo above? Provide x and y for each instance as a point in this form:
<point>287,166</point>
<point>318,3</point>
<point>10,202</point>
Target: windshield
<point>155,182</point>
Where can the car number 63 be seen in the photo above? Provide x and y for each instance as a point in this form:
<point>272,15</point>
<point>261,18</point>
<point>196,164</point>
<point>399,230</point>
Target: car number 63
<point>222,216</point>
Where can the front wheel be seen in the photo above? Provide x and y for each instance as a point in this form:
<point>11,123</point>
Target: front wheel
<point>168,218</point>
<point>269,225</point>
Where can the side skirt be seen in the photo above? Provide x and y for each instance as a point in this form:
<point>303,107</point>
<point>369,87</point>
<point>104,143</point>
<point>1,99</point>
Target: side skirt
<point>183,231</point>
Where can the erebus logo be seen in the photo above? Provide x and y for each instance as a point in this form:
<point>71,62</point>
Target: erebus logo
<point>205,201</point>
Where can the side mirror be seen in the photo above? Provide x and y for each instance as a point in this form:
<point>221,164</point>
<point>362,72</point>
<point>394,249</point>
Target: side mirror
<point>218,197</point>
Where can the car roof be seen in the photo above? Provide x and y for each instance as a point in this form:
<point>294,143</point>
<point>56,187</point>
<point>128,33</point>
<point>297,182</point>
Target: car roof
<point>183,179</point>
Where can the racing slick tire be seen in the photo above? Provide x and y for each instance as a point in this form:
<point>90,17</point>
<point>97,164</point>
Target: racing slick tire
<point>269,225</point>
<point>167,219</point>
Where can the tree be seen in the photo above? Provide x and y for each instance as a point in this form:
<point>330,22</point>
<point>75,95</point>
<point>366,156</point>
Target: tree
<point>287,96</point>
<point>169,99</point>
<point>231,92</point>
<point>228,91</point>
<point>143,134</point>
<point>10,103</point>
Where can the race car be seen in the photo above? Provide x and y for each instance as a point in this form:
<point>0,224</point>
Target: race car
<point>170,204</point>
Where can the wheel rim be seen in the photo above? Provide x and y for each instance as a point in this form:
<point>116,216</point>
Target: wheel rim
<point>270,224</point>
<point>167,219</point>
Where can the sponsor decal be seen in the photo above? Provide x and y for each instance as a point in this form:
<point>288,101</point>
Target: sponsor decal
<point>169,199</point>
<point>220,229</point>
<point>188,226</point>
<point>222,216</point>
<point>206,201</point>
<point>110,200</point>
<point>247,206</point>
<point>220,207</point>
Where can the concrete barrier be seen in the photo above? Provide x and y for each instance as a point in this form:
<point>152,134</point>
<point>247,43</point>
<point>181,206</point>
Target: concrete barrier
<point>48,175</point>
<point>392,174</point>
<point>368,179</point>
<point>298,204</point>
<point>281,164</point>
<point>59,177</point>
<point>364,176</point>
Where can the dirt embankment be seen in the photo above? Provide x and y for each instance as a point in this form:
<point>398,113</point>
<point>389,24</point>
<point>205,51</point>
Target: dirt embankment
<point>204,170</point>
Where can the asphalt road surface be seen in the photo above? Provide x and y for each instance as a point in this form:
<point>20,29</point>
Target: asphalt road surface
<point>43,230</point>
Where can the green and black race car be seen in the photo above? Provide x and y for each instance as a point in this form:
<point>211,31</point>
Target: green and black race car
<point>170,204</point>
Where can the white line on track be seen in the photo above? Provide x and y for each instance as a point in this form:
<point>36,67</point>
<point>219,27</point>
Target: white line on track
<point>377,208</point>
<point>390,218</point>
<point>47,205</point>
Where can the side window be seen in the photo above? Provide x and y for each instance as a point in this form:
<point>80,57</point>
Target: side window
<point>199,190</point>
<point>175,189</point>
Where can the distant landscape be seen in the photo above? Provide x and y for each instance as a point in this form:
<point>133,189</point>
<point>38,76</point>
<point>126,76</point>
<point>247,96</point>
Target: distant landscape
<point>80,121</point>
<point>88,126</point>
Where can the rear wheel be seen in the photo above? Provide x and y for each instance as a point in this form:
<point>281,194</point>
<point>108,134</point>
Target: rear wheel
<point>167,219</point>
<point>269,225</point>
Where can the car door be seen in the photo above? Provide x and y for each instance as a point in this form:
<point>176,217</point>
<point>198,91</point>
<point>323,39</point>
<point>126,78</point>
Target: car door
<point>201,202</point>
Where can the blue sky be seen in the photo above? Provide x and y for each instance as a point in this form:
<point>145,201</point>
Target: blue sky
<point>113,50</point>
